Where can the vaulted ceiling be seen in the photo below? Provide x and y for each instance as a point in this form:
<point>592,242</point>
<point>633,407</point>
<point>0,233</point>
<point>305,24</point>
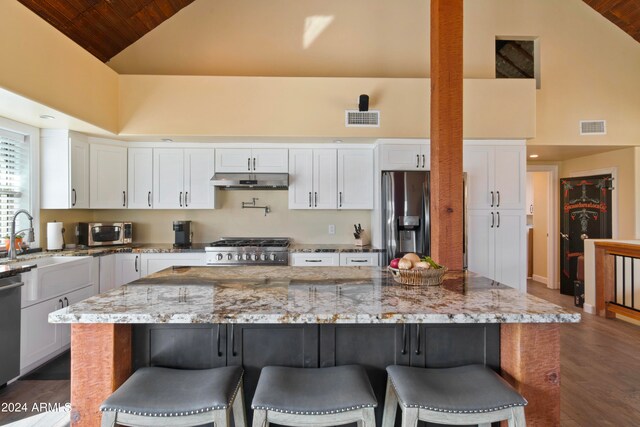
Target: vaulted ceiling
<point>624,13</point>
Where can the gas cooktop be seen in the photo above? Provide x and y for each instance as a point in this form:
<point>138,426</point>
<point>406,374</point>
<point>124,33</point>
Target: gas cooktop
<point>248,251</point>
<point>241,242</point>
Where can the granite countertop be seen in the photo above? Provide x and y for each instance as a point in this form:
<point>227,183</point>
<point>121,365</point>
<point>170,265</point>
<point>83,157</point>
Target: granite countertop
<point>308,295</point>
<point>14,270</point>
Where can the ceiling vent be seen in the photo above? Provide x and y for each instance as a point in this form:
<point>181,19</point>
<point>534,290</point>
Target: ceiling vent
<point>593,127</point>
<point>362,119</point>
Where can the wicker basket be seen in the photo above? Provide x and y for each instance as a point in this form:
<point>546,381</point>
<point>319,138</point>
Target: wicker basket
<point>419,277</point>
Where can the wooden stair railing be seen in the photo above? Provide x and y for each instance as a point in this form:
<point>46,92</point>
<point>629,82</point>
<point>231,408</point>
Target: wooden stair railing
<point>608,303</point>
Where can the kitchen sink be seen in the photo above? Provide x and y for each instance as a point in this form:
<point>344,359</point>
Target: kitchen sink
<point>54,276</point>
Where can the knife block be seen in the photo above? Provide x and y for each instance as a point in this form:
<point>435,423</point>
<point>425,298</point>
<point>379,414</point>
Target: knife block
<point>364,239</point>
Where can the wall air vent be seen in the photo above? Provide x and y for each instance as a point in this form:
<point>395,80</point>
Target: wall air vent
<point>593,127</point>
<point>362,119</point>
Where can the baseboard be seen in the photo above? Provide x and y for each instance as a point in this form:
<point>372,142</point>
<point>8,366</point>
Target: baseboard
<point>588,308</point>
<point>539,279</point>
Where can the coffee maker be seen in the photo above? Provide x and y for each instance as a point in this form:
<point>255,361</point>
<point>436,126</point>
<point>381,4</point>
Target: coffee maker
<point>183,234</point>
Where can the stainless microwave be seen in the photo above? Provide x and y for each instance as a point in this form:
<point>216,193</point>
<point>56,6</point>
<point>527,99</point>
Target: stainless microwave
<point>104,233</point>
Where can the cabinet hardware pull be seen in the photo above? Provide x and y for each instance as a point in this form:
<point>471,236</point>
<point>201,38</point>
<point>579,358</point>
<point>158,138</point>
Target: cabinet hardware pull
<point>124,198</point>
<point>417,340</point>
<point>74,197</point>
<point>149,198</point>
<point>66,301</point>
<point>312,260</point>
<point>218,341</point>
<point>136,264</point>
<point>492,199</point>
<point>233,341</point>
<point>359,260</point>
<point>309,198</point>
<point>248,163</point>
<point>498,204</point>
<point>316,201</point>
<point>61,303</point>
<point>254,163</point>
<point>404,339</point>
<point>498,226</point>
<point>531,208</point>
<point>423,161</point>
<point>493,219</point>
<point>340,199</point>
<point>417,160</point>
<point>180,198</point>
<point>186,199</point>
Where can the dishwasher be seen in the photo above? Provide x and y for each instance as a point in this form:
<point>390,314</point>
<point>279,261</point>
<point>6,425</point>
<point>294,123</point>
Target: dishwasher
<point>10,298</point>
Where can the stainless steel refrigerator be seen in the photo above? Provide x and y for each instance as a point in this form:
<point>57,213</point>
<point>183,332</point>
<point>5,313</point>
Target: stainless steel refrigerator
<point>405,213</point>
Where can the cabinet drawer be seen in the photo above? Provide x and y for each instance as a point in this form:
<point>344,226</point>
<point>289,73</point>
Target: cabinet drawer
<point>321,259</point>
<point>152,263</point>
<point>358,259</point>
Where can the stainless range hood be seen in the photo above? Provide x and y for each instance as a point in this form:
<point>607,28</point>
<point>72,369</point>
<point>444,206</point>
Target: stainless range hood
<point>250,181</point>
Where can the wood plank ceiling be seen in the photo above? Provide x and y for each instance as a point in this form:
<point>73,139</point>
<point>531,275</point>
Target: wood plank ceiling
<point>624,13</point>
<point>105,27</point>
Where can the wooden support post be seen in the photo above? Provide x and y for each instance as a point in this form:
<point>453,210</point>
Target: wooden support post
<point>446,133</point>
<point>605,280</point>
<point>530,361</point>
<point>100,363</point>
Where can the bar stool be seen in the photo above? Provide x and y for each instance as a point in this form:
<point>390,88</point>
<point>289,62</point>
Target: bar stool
<point>162,396</point>
<point>314,397</point>
<point>471,394</point>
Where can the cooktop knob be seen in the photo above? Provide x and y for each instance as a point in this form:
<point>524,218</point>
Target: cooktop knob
<point>219,257</point>
<point>263,257</point>
<point>238,257</point>
<point>273,257</point>
<point>254,257</point>
<point>229,257</point>
<point>247,257</point>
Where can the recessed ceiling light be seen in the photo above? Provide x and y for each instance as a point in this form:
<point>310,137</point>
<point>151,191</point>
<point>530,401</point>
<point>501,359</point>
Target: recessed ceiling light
<point>533,156</point>
<point>167,140</point>
<point>46,116</point>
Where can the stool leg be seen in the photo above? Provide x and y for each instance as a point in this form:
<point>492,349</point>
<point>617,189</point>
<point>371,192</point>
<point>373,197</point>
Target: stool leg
<point>238,409</point>
<point>369,418</point>
<point>409,417</point>
<point>221,418</point>
<point>390,406</point>
<point>517,417</point>
<point>108,419</point>
<point>260,418</point>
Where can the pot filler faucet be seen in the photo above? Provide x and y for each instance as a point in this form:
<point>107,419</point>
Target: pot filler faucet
<point>12,240</point>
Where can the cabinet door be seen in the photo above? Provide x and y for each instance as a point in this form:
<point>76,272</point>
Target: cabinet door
<point>233,160</point>
<point>168,177</point>
<point>64,329</point>
<point>319,259</point>
<point>510,253</point>
<point>269,160</point>
<point>107,279</point>
<point>79,170</point>
<point>355,179</point>
<point>107,176</point>
<point>401,157</point>
<point>425,157</point>
<point>128,268</point>
<point>198,170</point>
<point>300,179</point>
<point>354,259</point>
<point>481,242</point>
<point>529,192</point>
<point>510,175</point>
<point>140,178</point>
<point>479,166</point>
<point>152,263</point>
<point>325,179</point>
<point>38,337</point>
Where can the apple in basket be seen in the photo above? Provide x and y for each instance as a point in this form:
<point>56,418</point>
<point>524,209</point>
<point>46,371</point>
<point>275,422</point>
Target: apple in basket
<point>394,263</point>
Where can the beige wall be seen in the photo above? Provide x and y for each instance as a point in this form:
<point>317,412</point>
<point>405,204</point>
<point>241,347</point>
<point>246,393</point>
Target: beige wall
<point>42,64</point>
<point>305,226</point>
<point>540,223</point>
<point>625,184</point>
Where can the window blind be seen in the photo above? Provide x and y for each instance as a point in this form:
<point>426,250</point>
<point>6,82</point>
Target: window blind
<point>14,180</point>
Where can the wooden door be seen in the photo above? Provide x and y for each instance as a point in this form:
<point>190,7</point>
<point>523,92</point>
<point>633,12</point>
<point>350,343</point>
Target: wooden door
<point>586,214</point>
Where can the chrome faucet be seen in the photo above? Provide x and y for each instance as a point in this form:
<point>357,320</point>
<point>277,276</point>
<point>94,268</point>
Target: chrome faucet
<point>12,239</point>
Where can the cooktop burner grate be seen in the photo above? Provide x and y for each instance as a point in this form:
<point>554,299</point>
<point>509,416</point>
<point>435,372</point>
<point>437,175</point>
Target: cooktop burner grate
<point>258,242</point>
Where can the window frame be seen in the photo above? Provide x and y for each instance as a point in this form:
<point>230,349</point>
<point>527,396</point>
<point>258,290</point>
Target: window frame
<point>32,136</point>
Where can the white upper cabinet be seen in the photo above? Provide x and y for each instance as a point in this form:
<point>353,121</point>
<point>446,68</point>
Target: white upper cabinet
<point>264,160</point>
<point>355,178</point>
<point>313,178</point>
<point>107,176</point>
<point>495,176</point>
<point>402,155</point>
<point>64,169</point>
<point>140,178</point>
<point>181,178</point>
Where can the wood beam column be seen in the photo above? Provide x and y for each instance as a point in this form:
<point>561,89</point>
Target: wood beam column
<point>446,133</point>
<point>100,363</point>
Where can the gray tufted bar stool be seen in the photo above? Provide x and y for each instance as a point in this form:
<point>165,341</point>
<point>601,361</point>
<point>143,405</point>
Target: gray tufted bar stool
<point>314,397</point>
<point>472,394</point>
<point>178,397</point>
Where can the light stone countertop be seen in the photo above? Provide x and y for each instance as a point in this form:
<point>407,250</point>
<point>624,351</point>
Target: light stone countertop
<point>308,295</point>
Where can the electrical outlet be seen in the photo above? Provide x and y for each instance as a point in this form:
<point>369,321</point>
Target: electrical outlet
<point>332,229</point>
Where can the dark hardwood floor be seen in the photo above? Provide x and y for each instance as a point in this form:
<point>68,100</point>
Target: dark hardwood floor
<point>600,366</point>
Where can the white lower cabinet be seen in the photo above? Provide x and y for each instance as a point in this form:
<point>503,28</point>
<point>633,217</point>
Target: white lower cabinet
<point>107,279</point>
<point>128,267</point>
<point>315,259</point>
<point>152,263</point>
<point>355,259</point>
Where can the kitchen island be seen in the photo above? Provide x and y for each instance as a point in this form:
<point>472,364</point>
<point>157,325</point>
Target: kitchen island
<point>199,317</point>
